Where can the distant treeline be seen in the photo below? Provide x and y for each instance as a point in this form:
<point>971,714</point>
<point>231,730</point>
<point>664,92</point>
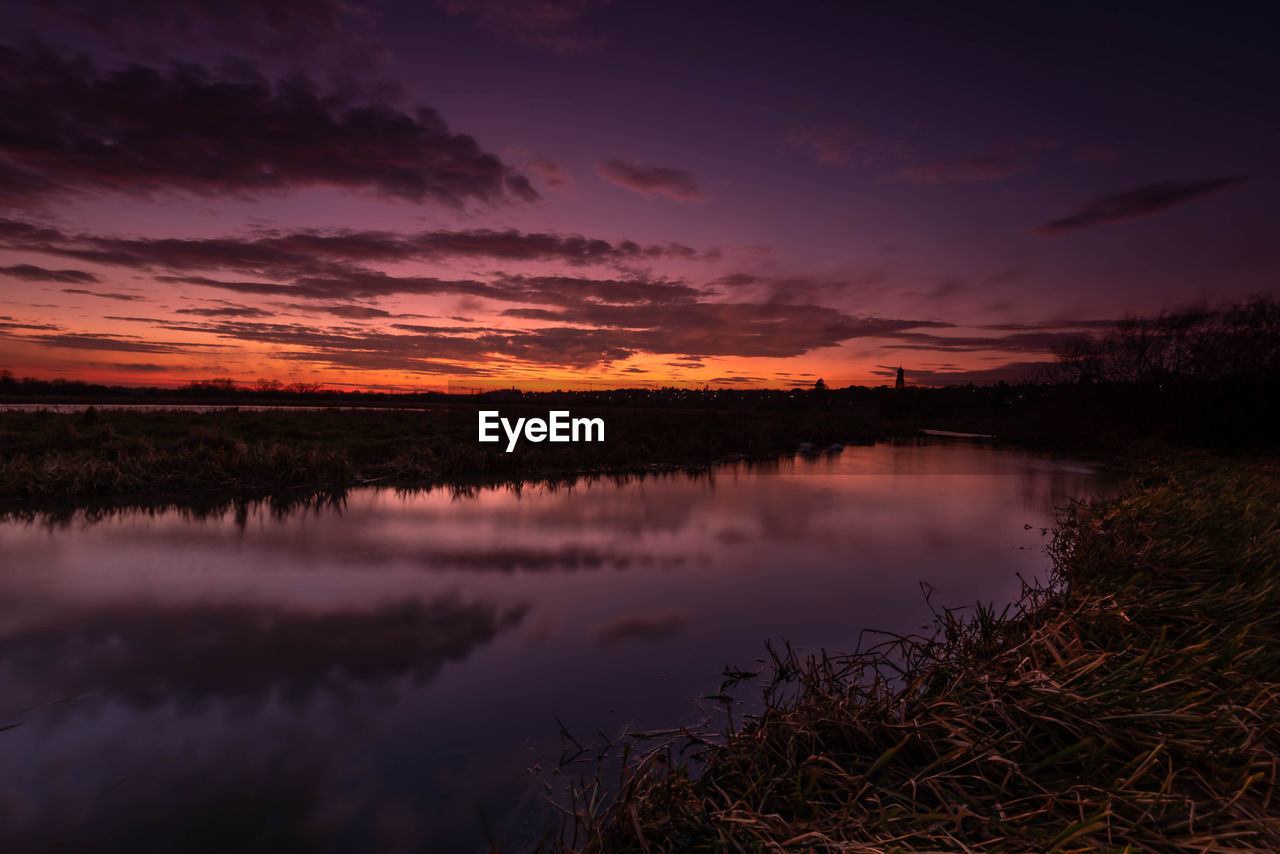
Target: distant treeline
<point>1240,343</point>
<point>1201,376</point>
<point>220,388</point>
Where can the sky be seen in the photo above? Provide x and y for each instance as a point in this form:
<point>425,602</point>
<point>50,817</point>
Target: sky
<point>581,193</point>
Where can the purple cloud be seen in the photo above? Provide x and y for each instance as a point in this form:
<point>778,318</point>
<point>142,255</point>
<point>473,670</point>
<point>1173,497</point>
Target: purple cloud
<point>649,181</point>
<point>65,125</point>
<point>32,273</point>
<point>1136,203</point>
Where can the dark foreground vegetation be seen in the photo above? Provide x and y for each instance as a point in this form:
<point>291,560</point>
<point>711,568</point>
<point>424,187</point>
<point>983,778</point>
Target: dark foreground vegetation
<point>108,456</point>
<point>1129,705</point>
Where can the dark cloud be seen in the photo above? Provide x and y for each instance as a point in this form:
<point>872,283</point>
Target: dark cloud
<point>32,273</point>
<point>423,329</point>
<point>573,291</point>
<point>727,328</point>
<point>120,343</point>
<point>345,284</point>
<point>225,311</point>
<point>1138,202</point>
<point>238,287</point>
<point>651,181</point>
<point>532,313</point>
<point>120,297</point>
<point>14,323</point>
<point>1020,342</point>
<point>517,246</point>
<point>586,321</point>
<point>65,124</point>
<point>351,312</point>
<point>964,170</point>
<point>798,288</point>
<point>323,265</point>
<point>21,189</point>
<point>619,331</point>
<point>429,350</point>
<point>280,255</point>
<point>17,231</point>
<point>1066,323</point>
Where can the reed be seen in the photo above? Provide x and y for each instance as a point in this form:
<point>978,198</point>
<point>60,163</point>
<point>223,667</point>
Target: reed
<point>51,460</point>
<point>1129,704</point>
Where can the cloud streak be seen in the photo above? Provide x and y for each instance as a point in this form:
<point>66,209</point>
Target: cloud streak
<point>120,297</point>
<point>292,253</point>
<point>649,181</point>
<point>1136,203</point>
<point>114,343</point>
<point>32,273</point>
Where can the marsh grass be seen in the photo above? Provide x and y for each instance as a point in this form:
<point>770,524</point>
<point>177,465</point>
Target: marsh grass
<point>53,461</point>
<point>1130,704</point>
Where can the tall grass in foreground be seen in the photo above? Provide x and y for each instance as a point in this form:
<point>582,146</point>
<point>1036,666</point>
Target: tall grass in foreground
<point>1133,704</point>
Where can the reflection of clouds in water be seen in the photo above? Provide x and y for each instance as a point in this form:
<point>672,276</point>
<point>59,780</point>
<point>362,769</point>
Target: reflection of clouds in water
<point>192,653</point>
<point>205,727</point>
<point>212,781</point>
<point>664,521</point>
<point>652,625</point>
<point>566,558</point>
<point>282,656</point>
<point>542,629</point>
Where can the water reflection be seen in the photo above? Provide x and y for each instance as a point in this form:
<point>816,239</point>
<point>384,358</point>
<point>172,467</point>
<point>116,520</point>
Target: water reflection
<point>373,671</point>
<point>188,653</point>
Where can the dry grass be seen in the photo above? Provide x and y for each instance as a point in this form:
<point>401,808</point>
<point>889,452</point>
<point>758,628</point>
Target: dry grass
<point>59,461</point>
<point>1130,705</point>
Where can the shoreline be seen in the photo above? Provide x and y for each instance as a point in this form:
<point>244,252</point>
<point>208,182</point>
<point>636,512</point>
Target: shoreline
<point>1112,709</point>
<point>98,458</point>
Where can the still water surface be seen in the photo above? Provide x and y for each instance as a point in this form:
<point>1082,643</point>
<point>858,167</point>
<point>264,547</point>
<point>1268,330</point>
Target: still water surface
<point>378,675</point>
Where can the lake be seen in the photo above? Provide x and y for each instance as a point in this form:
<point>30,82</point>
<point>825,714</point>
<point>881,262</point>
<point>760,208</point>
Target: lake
<point>386,673</point>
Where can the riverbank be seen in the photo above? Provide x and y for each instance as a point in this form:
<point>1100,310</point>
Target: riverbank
<point>1127,706</point>
<point>115,457</point>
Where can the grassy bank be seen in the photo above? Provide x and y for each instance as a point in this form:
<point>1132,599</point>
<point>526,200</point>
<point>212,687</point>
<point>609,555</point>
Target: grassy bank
<point>1129,706</point>
<point>111,456</point>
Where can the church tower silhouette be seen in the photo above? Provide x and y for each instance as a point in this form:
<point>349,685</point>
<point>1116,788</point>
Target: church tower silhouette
<point>901,382</point>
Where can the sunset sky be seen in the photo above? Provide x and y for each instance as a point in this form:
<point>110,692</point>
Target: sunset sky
<point>400,195</point>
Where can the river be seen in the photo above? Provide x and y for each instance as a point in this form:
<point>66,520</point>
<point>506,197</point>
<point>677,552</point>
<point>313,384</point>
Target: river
<point>386,673</point>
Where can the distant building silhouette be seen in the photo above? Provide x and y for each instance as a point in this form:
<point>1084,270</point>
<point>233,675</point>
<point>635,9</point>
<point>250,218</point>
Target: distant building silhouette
<point>901,381</point>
